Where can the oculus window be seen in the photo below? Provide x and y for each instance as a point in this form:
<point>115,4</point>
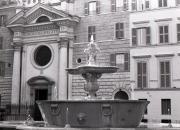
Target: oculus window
<point>42,55</point>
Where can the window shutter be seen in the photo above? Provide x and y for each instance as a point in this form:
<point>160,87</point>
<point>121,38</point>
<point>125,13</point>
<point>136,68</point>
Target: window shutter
<point>134,36</point>
<point>86,8</point>
<point>161,34</point>
<point>134,7</point>
<point>162,72</point>
<point>126,61</point>
<point>167,64</point>
<point>89,33</point>
<point>2,68</point>
<point>178,32</point>
<point>147,4</point>
<point>113,59</point>
<point>1,21</point>
<point>117,30</point>
<point>166,33</point>
<point>1,42</point>
<point>144,74</point>
<point>113,5</point>
<point>160,3</point>
<point>98,7</point>
<point>122,30</point>
<point>165,3</point>
<point>94,32</point>
<point>139,72</point>
<point>125,4</point>
<point>148,35</point>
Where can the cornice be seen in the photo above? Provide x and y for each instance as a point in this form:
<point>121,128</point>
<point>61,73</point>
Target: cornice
<point>141,56</point>
<point>141,22</point>
<point>162,20</point>
<point>164,55</point>
<point>33,27</point>
<point>69,22</point>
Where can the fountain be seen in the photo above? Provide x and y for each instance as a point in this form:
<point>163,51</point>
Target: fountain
<point>92,113</point>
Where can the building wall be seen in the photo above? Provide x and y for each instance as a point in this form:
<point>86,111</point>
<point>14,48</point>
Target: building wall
<point>6,55</point>
<point>108,44</point>
<point>153,54</point>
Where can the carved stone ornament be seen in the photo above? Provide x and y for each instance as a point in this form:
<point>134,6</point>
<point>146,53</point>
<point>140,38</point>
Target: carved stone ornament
<point>63,41</point>
<point>17,46</point>
<point>81,117</point>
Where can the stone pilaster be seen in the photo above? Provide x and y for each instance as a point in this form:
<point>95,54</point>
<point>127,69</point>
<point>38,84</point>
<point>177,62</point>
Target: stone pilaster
<point>62,89</point>
<point>16,73</point>
<point>70,66</point>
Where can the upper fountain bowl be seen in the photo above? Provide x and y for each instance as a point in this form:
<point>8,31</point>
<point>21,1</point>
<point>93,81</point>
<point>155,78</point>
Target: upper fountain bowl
<point>92,69</point>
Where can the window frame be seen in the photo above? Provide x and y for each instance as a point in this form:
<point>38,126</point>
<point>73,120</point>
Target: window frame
<point>2,68</point>
<point>170,75</point>
<point>134,2</point>
<point>119,30</point>
<point>168,107</point>
<point>91,33</point>
<point>1,42</point>
<point>164,42</point>
<point>113,63</point>
<point>134,36</point>
<point>142,75</point>
<point>162,4</point>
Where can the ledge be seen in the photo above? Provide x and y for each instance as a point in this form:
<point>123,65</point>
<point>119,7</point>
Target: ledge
<point>141,22</point>
<point>142,56</point>
<point>161,20</point>
<point>164,55</point>
<point>157,89</point>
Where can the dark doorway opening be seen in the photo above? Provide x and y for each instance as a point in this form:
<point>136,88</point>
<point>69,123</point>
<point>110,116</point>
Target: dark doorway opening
<point>121,95</point>
<point>40,94</point>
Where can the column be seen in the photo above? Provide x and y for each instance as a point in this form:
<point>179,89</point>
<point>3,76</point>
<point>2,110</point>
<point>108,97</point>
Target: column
<point>16,73</point>
<point>62,89</point>
<point>70,66</point>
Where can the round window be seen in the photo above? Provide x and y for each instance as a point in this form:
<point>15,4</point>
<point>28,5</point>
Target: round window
<point>42,55</point>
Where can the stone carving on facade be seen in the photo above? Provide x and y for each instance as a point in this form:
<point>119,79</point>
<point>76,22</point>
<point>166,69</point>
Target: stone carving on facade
<point>17,46</point>
<point>41,33</point>
<point>42,27</point>
<point>63,41</point>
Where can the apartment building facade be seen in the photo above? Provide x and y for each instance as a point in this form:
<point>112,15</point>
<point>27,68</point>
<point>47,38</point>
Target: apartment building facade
<point>154,55</point>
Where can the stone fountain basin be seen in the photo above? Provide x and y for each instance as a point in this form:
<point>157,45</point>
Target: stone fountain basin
<point>93,113</point>
<point>93,69</point>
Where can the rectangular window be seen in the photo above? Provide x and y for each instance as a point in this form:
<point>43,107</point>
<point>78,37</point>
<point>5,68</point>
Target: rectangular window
<point>3,19</point>
<point>178,2</point>
<point>162,3</point>
<point>91,31</point>
<point>119,30</point>
<point>165,121</point>
<point>163,34</point>
<point>113,5</point>
<point>144,100</point>
<point>125,4</point>
<point>142,74</point>
<point>92,8</point>
<point>134,5</point>
<point>166,106</point>
<point>1,42</point>
<point>165,79</point>
<point>120,60</point>
<point>2,68</point>
<point>178,32</point>
<point>141,36</point>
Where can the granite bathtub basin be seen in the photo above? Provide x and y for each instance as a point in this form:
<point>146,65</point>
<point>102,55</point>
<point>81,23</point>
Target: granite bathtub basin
<point>93,113</point>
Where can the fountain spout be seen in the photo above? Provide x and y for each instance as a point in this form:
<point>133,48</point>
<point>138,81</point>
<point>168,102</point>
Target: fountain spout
<point>91,52</point>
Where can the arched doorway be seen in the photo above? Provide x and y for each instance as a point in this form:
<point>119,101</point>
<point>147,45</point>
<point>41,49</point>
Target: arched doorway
<point>40,89</point>
<point>121,95</point>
